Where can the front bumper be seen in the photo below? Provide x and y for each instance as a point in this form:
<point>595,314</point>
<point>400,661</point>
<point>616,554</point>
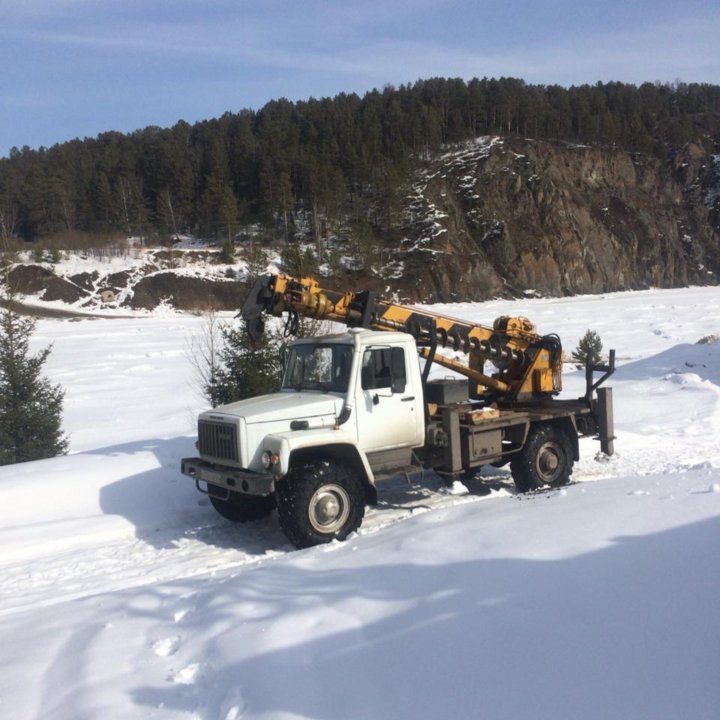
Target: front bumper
<point>232,479</point>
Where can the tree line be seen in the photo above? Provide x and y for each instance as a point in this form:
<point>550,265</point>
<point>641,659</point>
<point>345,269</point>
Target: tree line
<point>332,157</point>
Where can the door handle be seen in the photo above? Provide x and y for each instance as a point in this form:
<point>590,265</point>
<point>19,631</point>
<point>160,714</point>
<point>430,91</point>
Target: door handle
<point>407,399</point>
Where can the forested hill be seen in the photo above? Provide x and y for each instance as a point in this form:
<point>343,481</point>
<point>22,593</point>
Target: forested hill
<point>347,169</point>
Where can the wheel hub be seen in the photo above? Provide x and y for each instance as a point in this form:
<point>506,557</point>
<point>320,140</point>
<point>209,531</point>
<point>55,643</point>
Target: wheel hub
<point>329,508</point>
<point>548,462</point>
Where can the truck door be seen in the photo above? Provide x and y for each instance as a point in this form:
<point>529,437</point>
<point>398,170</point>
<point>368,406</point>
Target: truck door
<point>389,407</point>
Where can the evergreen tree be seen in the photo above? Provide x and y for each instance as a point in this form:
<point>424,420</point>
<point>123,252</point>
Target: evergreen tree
<point>589,349</point>
<point>297,262</point>
<point>227,252</point>
<point>256,260</point>
<point>30,406</point>
<point>219,207</point>
<point>245,371</point>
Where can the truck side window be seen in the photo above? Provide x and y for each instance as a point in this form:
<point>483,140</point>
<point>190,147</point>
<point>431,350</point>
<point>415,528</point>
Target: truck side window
<point>384,368</point>
<point>399,377</point>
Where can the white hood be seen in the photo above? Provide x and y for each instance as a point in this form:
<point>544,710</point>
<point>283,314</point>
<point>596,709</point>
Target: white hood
<point>282,406</point>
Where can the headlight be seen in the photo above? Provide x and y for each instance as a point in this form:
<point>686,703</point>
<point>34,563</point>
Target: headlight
<point>269,459</point>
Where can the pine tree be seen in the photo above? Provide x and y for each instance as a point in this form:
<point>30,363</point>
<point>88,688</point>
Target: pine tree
<point>245,371</point>
<point>30,406</point>
<point>227,252</point>
<point>298,262</point>
<point>589,349</point>
<point>256,261</point>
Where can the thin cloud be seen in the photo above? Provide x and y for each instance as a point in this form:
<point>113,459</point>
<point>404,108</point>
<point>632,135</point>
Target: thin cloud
<point>223,54</point>
<point>663,51</point>
<point>688,50</point>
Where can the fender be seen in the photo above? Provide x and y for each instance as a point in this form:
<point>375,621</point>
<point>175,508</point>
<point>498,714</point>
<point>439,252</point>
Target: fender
<point>330,440</point>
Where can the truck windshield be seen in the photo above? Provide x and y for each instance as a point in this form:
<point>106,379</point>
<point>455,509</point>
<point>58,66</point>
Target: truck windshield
<point>318,367</point>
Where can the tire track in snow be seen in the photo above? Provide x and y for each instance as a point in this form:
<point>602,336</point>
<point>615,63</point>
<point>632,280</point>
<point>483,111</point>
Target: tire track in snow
<point>106,562</point>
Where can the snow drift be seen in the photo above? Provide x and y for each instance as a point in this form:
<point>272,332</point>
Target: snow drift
<point>123,595</point>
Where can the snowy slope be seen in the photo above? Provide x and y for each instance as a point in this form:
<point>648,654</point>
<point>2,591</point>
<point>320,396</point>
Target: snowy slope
<point>123,595</point>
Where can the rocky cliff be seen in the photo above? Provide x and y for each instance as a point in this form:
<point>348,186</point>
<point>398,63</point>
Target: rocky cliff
<point>511,216</point>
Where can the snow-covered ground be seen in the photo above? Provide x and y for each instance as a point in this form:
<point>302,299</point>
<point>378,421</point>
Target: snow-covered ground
<point>123,595</point>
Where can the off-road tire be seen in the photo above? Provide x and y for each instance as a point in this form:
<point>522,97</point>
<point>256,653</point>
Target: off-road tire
<point>320,501</point>
<point>546,459</point>
<point>243,508</point>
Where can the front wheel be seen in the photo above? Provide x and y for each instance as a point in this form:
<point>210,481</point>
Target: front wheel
<point>243,508</point>
<point>546,459</point>
<point>320,501</point>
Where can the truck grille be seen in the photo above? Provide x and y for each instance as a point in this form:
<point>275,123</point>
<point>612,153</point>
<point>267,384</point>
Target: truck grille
<point>218,440</point>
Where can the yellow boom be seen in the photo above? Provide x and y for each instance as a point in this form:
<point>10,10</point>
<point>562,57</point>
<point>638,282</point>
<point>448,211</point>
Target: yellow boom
<point>528,365</point>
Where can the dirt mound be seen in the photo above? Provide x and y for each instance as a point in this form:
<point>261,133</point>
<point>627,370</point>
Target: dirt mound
<point>85,280</point>
<point>117,281</point>
<point>187,293</point>
<point>35,279</point>
<point>183,292</point>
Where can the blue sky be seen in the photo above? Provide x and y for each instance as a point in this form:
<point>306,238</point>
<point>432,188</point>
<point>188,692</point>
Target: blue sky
<point>75,68</point>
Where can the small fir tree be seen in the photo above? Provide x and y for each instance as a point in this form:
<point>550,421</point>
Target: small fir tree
<point>256,260</point>
<point>30,406</point>
<point>244,371</point>
<point>227,252</point>
<point>589,349</point>
<point>297,262</point>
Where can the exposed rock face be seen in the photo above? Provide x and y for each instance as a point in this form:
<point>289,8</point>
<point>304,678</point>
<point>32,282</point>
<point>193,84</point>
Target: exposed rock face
<point>499,217</point>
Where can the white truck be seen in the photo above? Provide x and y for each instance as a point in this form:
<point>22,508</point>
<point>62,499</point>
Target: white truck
<point>356,407</point>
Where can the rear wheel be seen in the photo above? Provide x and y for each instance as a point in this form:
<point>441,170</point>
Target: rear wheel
<point>546,459</point>
<point>320,501</point>
<point>243,508</point>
